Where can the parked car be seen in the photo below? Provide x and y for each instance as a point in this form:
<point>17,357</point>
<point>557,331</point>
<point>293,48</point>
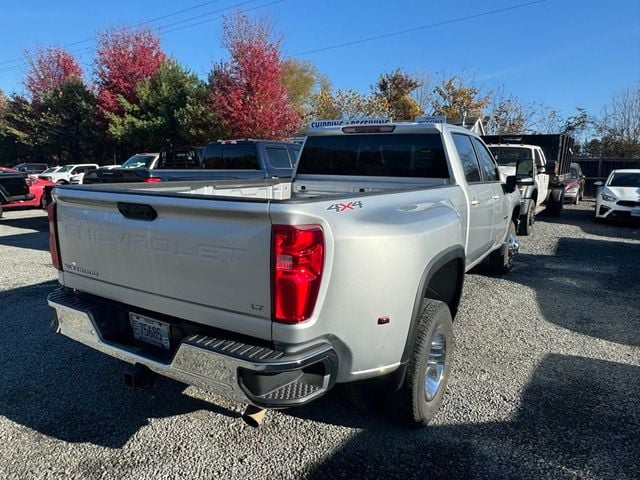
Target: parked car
<point>13,187</point>
<point>270,291</point>
<point>78,179</point>
<point>142,160</point>
<point>127,172</point>
<point>619,195</point>
<point>36,187</point>
<point>31,168</point>
<point>64,174</point>
<point>51,170</point>
<point>574,185</point>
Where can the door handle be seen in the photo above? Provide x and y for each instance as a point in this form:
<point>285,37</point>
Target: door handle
<point>475,202</point>
<point>496,197</point>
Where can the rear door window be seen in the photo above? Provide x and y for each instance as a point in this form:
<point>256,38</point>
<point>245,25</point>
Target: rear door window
<point>467,157</point>
<point>488,166</point>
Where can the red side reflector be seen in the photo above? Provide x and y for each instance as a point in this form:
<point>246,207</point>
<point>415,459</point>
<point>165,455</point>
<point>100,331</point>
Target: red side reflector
<point>152,180</point>
<point>54,248</point>
<point>297,260</point>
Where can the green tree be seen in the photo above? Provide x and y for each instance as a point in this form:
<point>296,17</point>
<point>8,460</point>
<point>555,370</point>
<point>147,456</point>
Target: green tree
<point>171,109</point>
<point>59,129</point>
<point>68,123</point>
<point>394,89</point>
<point>21,132</point>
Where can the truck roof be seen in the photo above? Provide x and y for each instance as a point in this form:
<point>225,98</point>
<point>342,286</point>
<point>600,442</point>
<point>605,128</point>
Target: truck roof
<point>388,128</point>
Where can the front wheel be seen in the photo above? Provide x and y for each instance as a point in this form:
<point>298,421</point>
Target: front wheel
<point>419,398</point>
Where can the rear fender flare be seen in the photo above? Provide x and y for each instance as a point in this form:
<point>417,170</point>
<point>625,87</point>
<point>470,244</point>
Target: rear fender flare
<point>455,252</point>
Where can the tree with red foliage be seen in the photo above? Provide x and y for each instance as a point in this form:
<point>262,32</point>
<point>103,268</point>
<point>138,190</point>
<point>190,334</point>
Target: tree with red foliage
<point>125,57</point>
<point>248,93</point>
<point>48,68</point>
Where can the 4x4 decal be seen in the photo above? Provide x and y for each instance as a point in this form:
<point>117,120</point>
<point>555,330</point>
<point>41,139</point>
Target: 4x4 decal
<point>342,207</point>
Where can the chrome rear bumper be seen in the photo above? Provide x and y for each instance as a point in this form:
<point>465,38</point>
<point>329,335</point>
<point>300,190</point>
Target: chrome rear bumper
<point>239,371</point>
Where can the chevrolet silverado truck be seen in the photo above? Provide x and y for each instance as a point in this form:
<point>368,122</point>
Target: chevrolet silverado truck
<point>541,164</point>
<point>271,291</point>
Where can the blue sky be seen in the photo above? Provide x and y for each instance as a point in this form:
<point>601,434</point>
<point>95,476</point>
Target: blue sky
<point>562,53</point>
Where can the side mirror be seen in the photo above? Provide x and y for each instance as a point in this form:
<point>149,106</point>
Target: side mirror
<point>526,181</point>
<point>511,183</point>
<point>541,169</point>
<point>598,184</point>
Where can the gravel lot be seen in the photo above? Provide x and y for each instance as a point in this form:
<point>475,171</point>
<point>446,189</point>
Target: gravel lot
<point>546,383</point>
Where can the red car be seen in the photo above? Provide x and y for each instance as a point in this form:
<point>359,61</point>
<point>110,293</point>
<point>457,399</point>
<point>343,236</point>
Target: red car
<point>36,186</point>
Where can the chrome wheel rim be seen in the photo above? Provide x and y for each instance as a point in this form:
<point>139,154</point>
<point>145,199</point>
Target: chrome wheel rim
<point>512,247</point>
<point>434,372</point>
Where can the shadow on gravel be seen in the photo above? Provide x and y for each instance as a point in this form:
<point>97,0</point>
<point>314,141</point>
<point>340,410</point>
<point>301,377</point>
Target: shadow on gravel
<point>65,390</point>
<point>29,241</point>
<point>38,240</point>
<point>588,286</point>
<point>577,418</point>
<point>40,223</point>
<point>584,219</point>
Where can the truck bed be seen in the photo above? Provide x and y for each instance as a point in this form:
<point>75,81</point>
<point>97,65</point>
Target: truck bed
<point>200,251</point>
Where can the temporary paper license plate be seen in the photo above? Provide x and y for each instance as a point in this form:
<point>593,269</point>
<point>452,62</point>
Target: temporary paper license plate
<point>635,212</point>
<point>150,330</point>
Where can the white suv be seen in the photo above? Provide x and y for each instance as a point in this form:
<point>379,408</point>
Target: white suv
<point>64,175</point>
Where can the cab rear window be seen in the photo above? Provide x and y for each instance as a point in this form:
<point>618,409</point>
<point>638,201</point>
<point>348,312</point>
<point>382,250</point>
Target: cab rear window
<point>400,155</point>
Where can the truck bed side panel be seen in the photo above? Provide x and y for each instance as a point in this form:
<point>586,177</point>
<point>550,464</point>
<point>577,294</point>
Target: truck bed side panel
<point>377,252</point>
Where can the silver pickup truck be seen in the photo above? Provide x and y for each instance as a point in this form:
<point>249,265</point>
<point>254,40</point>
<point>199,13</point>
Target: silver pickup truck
<point>269,292</point>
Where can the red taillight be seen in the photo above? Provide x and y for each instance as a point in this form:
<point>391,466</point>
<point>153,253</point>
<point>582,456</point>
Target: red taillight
<point>152,180</point>
<point>297,259</point>
<point>53,236</point>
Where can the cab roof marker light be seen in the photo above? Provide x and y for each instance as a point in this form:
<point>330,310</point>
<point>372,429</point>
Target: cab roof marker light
<point>369,129</point>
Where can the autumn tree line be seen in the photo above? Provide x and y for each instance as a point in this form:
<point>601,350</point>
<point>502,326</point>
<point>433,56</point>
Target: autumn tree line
<point>136,99</point>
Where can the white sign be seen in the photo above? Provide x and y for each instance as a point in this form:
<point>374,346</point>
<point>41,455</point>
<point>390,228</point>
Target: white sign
<point>349,122</point>
<point>432,119</point>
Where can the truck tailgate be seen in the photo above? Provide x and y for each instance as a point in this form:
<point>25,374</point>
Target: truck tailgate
<point>203,260</point>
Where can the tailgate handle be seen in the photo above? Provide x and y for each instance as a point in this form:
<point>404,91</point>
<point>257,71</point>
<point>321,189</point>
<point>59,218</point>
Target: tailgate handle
<point>137,211</point>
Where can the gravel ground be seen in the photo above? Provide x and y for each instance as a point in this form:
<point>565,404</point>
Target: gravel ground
<point>546,383</point>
